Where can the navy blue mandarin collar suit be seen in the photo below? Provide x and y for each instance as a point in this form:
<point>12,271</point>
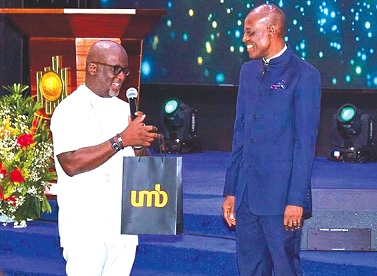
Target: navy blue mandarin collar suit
<point>275,132</point>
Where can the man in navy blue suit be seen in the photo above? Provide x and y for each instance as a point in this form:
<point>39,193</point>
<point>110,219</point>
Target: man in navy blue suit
<point>267,188</point>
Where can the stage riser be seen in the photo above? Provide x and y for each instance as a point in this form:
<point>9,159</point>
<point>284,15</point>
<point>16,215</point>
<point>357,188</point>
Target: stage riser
<point>180,258</point>
<point>313,268</point>
<point>341,220</point>
<point>333,209</point>
<point>343,209</point>
<point>208,246</point>
<point>207,225</point>
<point>345,199</point>
<point>38,239</point>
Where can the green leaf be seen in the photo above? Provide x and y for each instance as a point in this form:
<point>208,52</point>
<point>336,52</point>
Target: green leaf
<point>31,209</point>
<point>46,207</point>
<point>16,88</point>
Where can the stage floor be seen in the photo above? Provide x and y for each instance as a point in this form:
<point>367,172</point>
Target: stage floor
<point>326,174</point>
<point>344,194</point>
<point>344,197</point>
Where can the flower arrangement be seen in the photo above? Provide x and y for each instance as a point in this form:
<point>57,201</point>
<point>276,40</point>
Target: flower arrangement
<point>26,157</point>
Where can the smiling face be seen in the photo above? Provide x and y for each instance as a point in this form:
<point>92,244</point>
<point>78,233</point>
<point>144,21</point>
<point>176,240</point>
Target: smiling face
<point>256,38</point>
<point>100,77</point>
<point>264,32</point>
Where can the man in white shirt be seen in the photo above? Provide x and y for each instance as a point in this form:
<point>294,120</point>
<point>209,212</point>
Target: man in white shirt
<point>91,134</point>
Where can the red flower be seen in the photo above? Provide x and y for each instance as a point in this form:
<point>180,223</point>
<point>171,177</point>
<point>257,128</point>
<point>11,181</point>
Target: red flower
<point>11,200</point>
<point>1,195</point>
<point>3,171</point>
<point>25,140</point>
<point>16,176</point>
<point>34,125</point>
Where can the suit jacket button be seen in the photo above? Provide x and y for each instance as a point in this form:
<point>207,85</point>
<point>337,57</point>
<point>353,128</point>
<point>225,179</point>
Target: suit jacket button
<point>251,140</point>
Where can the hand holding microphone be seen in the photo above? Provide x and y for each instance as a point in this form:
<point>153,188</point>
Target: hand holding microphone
<point>131,94</point>
<point>137,133</point>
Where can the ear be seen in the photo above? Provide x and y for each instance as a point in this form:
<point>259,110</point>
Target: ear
<point>92,68</point>
<point>271,30</point>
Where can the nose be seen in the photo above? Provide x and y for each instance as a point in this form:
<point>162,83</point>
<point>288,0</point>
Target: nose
<point>245,38</point>
<point>121,76</point>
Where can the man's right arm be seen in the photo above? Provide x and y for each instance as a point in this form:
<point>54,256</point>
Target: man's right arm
<point>88,158</point>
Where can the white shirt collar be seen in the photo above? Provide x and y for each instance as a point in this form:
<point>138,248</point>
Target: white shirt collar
<point>267,60</point>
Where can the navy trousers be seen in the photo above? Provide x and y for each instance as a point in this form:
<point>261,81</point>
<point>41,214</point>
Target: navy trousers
<point>263,245</point>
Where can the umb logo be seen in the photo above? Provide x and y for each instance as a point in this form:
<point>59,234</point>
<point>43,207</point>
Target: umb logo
<point>160,197</point>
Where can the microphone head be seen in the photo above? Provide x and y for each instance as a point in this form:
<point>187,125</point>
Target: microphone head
<point>131,93</point>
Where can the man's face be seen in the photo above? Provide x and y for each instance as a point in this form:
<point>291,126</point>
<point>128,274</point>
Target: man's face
<point>110,75</point>
<point>257,37</point>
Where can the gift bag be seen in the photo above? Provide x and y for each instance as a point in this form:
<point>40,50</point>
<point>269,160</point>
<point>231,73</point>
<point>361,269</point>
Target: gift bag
<point>152,195</point>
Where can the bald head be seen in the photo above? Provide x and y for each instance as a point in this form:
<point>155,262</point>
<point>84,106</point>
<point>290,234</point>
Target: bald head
<point>101,62</point>
<point>271,15</point>
<point>102,49</point>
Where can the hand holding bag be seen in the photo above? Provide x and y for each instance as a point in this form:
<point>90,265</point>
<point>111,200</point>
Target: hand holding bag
<point>152,195</point>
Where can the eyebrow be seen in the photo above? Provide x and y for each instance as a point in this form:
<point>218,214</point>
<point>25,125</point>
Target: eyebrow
<point>249,31</point>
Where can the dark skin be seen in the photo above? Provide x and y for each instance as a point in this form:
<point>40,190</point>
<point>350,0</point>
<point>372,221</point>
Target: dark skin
<point>264,31</point>
<point>102,81</point>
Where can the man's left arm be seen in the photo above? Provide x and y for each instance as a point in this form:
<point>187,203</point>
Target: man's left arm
<point>307,104</point>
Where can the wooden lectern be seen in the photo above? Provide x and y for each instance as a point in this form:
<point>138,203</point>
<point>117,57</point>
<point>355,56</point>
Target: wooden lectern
<point>70,32</point>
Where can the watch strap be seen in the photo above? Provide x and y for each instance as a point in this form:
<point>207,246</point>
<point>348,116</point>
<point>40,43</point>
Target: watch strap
<point>114,145</point>
<point>120,141</point>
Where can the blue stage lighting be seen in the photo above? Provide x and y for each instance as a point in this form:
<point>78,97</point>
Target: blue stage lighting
<point>179,127</point>
<point>353,135</point>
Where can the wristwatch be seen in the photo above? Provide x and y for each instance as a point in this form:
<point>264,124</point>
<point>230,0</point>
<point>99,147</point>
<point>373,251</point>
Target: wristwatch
<point>114,145</point>
<point>120,141</point>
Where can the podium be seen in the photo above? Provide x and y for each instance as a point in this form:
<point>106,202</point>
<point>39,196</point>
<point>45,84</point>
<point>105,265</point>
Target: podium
<point>70,32</point>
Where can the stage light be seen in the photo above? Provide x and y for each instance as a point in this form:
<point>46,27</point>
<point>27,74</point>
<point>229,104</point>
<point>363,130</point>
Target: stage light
<point>349,119</point>
<point>174,114</point>
<point>179,127</point>
<point>353,135</point>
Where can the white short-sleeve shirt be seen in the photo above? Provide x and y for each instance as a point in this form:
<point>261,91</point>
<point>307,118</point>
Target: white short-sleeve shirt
<point>90,202</point>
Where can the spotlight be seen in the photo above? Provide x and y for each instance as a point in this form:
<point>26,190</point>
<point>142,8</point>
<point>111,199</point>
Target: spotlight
<point>352,135</point>
<point>179,127</point>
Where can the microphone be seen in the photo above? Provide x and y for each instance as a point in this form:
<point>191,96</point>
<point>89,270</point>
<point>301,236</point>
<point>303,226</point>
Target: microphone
<point>131,94</point>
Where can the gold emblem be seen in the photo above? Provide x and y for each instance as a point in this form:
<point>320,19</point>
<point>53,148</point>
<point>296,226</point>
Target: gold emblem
<point>51,86</point>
